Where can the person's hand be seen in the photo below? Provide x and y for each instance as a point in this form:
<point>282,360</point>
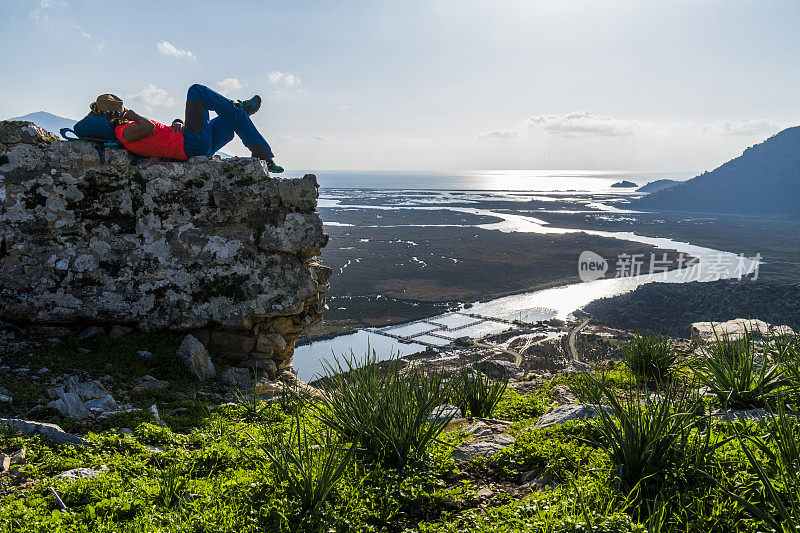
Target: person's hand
<point>130,115</point>
<point>177,125</point>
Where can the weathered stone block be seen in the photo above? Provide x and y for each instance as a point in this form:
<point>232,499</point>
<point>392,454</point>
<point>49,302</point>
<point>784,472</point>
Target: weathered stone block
<point>206,245</point>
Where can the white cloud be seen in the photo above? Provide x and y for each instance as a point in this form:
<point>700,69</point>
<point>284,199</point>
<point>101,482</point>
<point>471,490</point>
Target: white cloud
<point>321,137</point>
<point>747,126</point>
<point>227,85</point>
<point>343,108</point>
<point>284,79</point>
<point>583,123</point>
<point>500,134</point>
<point>168,49</point>
<point>284,137</point>
<point>151,97</point>
<point>84,33</point>
<point>41,13</point>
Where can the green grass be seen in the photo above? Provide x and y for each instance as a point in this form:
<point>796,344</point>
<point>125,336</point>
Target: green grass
<point>650,438</point>
<point>654,463</point>
<point>476,394</point>
<point>739,375</point>
<point>384,408</point>
<point>651,358</point>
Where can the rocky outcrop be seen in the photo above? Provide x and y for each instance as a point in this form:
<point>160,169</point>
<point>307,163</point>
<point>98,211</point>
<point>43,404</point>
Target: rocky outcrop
<point>215,248</point>
<point>706,332</point>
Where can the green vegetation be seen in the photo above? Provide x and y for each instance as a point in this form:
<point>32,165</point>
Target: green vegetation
<point>651,358</point>
<point>363,455</point>
<point>476,394</point>
<point>385,409</point>
<point>739,375</point>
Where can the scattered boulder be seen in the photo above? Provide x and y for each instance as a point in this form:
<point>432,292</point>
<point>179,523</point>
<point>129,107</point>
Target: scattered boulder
<point>239,378</point>
<point>91,390</point>
<point>576,367</point>
<point>148,383</point>
<point>195,356</point>
<point>156,417</point>
<point>91,331</point>
<point>499,369</point>
<point>479,428</point>
<point>563,395</point>
<point>81,473</point>
<point>71,406</point>
<point>101,406</point>
<point>49,432</point>
<point>482,447</point>
<point>705,332</point>
<point>444,412</point>
<point>565,413</point>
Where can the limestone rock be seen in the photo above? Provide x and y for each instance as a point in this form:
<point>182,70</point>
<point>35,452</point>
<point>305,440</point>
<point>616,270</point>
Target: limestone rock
<point>239,378</point>
<point>71,406</point>
<point>482,447</point>
<point>81,473</point>
<point>444,412</point>
<point>499,369</point>
<point>101,406</point>
<point>204,245</point>
<point>565,413</point>
<point>149,383</point>
<point>49,432</point>
<point>195,357</point>
<point>705,332</point>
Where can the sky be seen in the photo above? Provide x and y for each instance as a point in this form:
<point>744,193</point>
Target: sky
<point>644,86</point>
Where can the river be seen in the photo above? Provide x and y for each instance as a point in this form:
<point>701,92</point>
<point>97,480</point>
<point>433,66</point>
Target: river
<point>556,302</point>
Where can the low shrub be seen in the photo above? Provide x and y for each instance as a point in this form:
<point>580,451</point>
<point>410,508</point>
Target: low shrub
<point>476,393</point>
<point>384,408</point>
<point>310,465</point>
<point>651,358</point>
<point>649,438</point>
<point>738,375</point>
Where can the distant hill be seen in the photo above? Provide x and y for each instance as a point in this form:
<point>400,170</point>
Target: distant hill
<point>657,185</point>
<point>765,179</point>
<point>624,183</point>
<point>50,122</point>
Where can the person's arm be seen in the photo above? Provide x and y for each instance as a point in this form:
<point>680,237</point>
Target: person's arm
<point>141,129</point>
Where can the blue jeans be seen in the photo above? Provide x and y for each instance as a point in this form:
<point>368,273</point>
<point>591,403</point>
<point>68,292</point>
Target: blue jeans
<point>217,133</point>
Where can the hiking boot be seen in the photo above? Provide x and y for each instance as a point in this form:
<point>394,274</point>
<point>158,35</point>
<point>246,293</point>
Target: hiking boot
<point>249,106</point>
<point>274,168</point>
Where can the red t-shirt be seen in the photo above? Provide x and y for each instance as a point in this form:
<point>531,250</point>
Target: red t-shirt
<point>164,142</point>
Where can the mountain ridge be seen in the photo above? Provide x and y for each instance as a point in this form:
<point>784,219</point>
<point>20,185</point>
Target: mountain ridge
<point>765,179</point>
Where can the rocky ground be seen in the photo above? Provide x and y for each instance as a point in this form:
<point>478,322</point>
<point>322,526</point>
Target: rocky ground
<point>150,429</point>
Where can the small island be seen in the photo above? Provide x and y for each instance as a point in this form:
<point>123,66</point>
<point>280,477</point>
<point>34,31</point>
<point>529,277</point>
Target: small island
<point>624,183</point>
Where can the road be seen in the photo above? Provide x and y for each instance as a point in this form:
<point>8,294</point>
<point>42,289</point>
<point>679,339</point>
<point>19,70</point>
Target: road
<point>517,356</point>
<point>573,351</point>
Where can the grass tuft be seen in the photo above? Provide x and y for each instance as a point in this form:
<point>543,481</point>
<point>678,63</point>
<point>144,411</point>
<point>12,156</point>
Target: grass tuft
<point>651,358</point>
<point>475,392</point>
<point>385,409</point>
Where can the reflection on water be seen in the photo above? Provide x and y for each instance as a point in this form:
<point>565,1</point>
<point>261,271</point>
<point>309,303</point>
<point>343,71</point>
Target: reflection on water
<point>488,180</point>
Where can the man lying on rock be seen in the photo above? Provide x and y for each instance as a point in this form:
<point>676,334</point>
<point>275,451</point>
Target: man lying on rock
<point>197,136</point>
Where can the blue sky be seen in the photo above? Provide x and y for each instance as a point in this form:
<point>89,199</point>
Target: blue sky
<point>437,84</point>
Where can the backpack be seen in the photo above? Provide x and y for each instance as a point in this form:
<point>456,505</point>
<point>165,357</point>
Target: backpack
<point>94,129</point>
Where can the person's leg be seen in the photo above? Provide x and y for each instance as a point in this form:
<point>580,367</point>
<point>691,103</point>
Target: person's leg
<point>230,118</point>
<point>211,100</point>
<point>223,128</point>
<point>221,134</point>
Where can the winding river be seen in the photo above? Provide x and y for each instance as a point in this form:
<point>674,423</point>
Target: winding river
<point>556,302</point>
